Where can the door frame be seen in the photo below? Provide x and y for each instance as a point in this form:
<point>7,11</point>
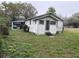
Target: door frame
<point>47,26</point>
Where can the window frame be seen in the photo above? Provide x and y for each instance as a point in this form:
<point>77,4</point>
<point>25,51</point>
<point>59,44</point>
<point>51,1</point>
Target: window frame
<point>52,22</point>
<point>41,22</point>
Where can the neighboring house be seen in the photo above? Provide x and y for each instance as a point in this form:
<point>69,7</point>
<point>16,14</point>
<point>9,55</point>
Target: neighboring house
<point>45,24</point>
<point>17,23</point>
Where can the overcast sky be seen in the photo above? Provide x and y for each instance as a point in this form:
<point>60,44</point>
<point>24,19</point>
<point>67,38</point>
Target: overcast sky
<point>63,8</point>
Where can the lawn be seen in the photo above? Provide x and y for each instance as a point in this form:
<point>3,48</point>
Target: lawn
<point>24,44</point>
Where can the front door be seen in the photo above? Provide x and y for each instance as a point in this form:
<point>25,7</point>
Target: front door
<point>47,24</point>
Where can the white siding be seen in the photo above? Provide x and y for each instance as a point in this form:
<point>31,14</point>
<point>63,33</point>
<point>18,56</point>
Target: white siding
<point>27,23</point>
<point>53,29</point>
<point>41,28</point>
<point>33,27</point>
<point>60,26</point>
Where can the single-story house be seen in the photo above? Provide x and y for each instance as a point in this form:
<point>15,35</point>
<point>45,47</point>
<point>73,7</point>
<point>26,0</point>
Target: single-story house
<point>44,24</point>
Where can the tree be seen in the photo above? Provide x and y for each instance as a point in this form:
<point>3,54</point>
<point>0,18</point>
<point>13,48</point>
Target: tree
<point>51,10</point>
<point>29,11</point>
<point>73,20</point>
<point>76,15</point>
<point>4,28</point>
<point>14,10</point>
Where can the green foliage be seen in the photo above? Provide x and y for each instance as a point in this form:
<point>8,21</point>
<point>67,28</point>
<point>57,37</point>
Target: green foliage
<point>22,44</point>
<point>0,43</point>
<point>73,19</point>
<point>4,27</point>
<point>4,32</point>
<point>25,28</point>
<point>4,20</point>
<point>51,10</point>
<point>14,10</point>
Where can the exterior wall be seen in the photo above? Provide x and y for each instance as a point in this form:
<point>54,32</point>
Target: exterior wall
<point>53,29</point>
<point>60,26</point>
<point>27,23</point>
<point>32,26</point>
<point>42,27</point>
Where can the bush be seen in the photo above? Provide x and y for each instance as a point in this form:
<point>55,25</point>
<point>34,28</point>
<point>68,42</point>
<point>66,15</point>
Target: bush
<point>26,28</point>
<point>0,47</point>
<point>4,30</point>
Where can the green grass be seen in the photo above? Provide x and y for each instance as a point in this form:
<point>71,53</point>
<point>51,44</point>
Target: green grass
<point>23,44</point>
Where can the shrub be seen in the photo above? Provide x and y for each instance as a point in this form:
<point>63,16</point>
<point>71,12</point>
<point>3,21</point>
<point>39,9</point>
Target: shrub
<point>4,30</point>
<point>4,25</point>
<point>26,28</point>
<point>0,47</point>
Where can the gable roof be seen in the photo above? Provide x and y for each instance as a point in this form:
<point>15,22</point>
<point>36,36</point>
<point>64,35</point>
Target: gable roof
<point>54,16</point>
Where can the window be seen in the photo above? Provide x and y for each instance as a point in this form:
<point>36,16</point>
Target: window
<point>52,22</point>
<point>34,21</point>
<point>41,22</point>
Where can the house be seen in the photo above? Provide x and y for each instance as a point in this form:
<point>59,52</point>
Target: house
<point>45,24</point>
<point>17,23</point>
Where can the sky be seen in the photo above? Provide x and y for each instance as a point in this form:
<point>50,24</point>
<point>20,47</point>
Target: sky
<point>63,8</point>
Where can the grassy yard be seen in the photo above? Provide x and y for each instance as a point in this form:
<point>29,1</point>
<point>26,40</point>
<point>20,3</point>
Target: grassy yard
<point>23,44</point>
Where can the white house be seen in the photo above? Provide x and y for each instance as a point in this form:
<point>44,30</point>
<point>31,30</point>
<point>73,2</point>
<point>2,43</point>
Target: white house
<point>44,24</point>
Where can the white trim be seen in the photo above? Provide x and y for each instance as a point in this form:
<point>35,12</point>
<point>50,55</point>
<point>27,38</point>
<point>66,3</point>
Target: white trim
<point>12,26</point>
